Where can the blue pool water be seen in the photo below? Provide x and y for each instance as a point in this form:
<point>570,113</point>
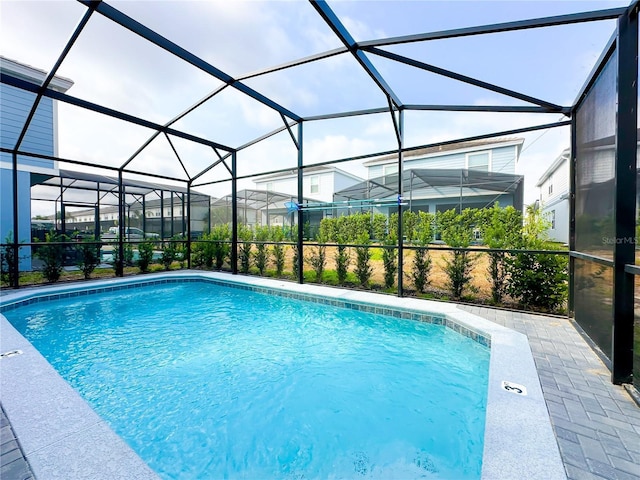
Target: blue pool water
<point>206,382</point>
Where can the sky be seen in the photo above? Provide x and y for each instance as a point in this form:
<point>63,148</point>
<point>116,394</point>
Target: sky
<point>113,67</point>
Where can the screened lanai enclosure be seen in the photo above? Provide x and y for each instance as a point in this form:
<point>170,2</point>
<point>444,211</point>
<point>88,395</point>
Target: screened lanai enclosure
<point>186,120</point>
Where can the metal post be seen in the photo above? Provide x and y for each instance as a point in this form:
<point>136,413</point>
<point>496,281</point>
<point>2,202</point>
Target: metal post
<point>121,230</point>
<point>625,204</point>
<point>98,225</point>
<point>400,193</point>
<point>63,224</point>
<point>144,213</point>
<point>162,214</point>
<point>300,212</point>
<point>572,212</point>
<point>15,281</point>
<point>172,217</point>
<point>234,215</point>
<point>188,223</point>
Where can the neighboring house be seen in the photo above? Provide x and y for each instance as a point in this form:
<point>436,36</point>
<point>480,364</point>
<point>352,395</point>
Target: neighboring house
<point>41,138</point>
<point>472,174</point>
<point>318,183</point>
<point>554,197</point>
<point>168,214</point>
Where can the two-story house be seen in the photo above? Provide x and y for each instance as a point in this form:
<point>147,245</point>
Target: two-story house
<point>554,197</point>
<point>474,174</point>
<point>40,138</point>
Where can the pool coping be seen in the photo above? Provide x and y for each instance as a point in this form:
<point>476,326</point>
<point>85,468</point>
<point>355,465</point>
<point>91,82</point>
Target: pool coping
<point>62,437</point>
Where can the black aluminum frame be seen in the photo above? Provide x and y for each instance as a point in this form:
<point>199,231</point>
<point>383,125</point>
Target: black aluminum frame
<point>626,42</point>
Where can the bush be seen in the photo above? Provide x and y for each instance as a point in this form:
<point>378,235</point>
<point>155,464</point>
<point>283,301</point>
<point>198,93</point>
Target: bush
<point>8,265</point>
<point>220,248</point>
<point>318,259</point>
<point>457,232</point>
<point>390,261</point>
<point>363,260</point>
<point>52,256</point>
<point>421,269</point>
<point>261,256</point>
<point>279,250</point>
<point>501,229</point>
<point>245,235</point>
<point>145,255</point>
<point>537,280</point>
<point>342,259</point>
<point>169,254</point>
<point>88,256</point>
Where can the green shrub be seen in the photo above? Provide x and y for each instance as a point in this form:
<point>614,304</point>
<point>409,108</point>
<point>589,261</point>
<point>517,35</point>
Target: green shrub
<point>420,269</point>
<point>52,256</point>
<point>501,229</point>
<point>279,250</point>
<point>88,256</point>
<point>261,256</point>
<point>363,260</point>
<point>145,255</point>
<point>245,235</point>
<point>379,226</point>
<point>342,259</point>
<point>169,254</point>
<point>390,261</point>
<point>318,259</point>
<point>8,265</point>
<point>220,248</point>
<point>537,280</point>
<point>457,232</point>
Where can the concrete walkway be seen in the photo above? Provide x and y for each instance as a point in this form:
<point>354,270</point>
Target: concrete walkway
<point>597,424</point>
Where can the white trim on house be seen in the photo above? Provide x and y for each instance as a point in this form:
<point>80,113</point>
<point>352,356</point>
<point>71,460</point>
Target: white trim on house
<point>306,172</point>
<point>33,75</point>
<point>480,152</point>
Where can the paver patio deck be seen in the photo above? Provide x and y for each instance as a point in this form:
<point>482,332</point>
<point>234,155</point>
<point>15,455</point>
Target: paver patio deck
<point>597,424</point>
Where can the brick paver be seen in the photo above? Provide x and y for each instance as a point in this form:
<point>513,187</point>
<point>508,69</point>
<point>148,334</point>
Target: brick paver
<point>13,465</point>
<point>597,424</point>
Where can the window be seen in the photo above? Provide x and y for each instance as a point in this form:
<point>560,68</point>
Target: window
<point>553,219</point>
<point>315,184</point>
<point>550,188</point>
<point>478,161</point>
<point>390,174</point>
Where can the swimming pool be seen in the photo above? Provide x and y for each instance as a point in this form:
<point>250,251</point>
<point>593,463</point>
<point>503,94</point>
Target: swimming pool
<point>211,381</point>
<point>496,441</point>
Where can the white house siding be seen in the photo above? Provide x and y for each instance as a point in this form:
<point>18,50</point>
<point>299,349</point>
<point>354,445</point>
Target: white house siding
<point>555,204</point>
<point>503,159</point>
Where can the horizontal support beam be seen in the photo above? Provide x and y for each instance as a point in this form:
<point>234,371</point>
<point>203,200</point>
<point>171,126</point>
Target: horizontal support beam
<point>77,102</point>
<point>484,108</point>
<point>572,18</point>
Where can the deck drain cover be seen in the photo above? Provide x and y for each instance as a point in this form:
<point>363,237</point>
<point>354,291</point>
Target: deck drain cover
<point>11,353</point>
<point>514,388</point>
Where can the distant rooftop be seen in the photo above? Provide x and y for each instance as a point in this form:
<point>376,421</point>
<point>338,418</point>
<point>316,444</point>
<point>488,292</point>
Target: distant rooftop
<point>32,74</point>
